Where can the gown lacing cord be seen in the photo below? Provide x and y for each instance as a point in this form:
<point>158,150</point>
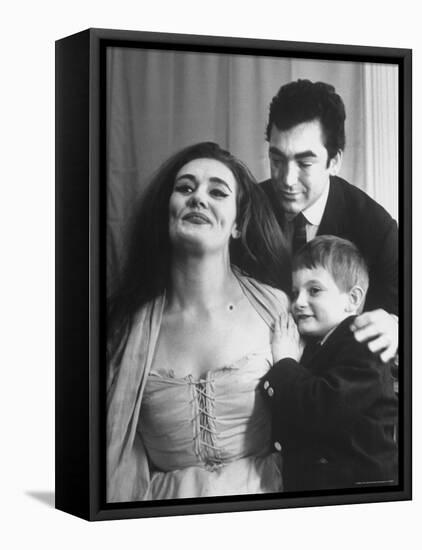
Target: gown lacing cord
<point>205,433</point>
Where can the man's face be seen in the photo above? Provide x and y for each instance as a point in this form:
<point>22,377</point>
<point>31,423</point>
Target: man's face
<point>300,169</point>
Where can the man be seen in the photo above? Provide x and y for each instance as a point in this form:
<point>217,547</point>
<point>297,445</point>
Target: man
<point>306,139</point>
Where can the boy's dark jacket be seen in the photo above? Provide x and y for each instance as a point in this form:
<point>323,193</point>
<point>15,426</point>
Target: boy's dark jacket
<point>334,416</point>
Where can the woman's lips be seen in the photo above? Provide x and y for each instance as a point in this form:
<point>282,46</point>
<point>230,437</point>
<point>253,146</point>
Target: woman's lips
<point>197,218</point>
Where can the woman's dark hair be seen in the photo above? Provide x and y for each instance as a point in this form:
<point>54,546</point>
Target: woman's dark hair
<point>260,252</point>
<point>303,101</point>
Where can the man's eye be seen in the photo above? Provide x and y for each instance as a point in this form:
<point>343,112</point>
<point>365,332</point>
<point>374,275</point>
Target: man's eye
<point>305,165</point>
<point>277,161</point>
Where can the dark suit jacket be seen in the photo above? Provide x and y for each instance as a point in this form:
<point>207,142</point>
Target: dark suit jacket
<point>352,214</point>
<point>334,416</point>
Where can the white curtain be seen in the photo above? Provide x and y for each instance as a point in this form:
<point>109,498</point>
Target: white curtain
<point>381,134</point>
<point>160,101</point>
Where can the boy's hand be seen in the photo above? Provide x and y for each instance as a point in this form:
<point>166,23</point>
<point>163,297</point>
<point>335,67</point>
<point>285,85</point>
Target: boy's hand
<point>286,341</point>
<point>380,330</point>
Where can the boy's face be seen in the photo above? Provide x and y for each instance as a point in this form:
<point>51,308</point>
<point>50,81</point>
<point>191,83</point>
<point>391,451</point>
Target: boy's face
<point>318,304</point>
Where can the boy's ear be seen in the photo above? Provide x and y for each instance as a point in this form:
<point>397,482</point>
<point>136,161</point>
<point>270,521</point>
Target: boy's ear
<point>356,297</point>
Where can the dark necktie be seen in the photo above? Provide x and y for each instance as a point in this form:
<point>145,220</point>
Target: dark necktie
<point>299,232</point>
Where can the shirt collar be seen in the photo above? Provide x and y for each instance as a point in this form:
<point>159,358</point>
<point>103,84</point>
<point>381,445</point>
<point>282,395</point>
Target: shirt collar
<point>345,323</point>
<point>329,333</point>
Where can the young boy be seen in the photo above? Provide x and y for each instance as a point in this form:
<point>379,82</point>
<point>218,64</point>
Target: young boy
<point>334,412</point>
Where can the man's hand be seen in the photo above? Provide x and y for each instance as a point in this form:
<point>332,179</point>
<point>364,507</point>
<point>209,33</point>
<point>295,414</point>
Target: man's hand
<point>286,340</point>
<point>381,332</point>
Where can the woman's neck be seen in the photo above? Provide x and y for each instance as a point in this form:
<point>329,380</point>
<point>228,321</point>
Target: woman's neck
<point>202,284</point>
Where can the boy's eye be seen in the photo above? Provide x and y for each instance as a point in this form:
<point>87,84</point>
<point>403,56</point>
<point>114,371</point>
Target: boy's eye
<point>314,291</point>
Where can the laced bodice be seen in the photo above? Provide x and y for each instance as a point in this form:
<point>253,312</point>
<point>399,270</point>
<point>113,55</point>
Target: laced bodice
<point>208,422</point>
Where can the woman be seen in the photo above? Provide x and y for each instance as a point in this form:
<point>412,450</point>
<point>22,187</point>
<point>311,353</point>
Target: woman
<point>190,331</point>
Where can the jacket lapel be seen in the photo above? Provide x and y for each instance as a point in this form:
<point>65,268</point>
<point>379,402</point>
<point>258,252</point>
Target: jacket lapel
<point>332,222</point>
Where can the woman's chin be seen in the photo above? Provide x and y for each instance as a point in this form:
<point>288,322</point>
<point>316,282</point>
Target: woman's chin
<point>191,244</point>
<point>189,231</point>
<point>196,241</point>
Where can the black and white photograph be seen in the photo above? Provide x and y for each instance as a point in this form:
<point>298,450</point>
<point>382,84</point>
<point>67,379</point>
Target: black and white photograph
<point>210,275</point>
<point>252,275</point>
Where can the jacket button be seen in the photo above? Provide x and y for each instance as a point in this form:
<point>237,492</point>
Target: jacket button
<point>323,461</point>
<point>270,392</point>
<point>266,384</point>
<point>277,446</point>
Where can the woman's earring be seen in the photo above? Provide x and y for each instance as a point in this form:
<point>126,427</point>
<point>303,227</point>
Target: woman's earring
<point>235,233</point>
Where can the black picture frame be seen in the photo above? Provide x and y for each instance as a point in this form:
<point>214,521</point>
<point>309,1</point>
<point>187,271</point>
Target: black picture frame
<point>80,271</point>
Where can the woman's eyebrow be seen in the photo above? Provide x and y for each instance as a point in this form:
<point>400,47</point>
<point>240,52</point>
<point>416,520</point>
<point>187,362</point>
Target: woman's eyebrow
<point>220,181</point>
<point>190,177</point>
<point>212,179</point>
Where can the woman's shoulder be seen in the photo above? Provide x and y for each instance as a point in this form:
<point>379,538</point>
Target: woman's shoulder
<point>279,295</point>
<point>273,298</point>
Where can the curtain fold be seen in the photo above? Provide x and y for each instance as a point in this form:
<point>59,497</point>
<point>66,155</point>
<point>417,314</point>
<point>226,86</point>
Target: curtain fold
<point>381,134</point>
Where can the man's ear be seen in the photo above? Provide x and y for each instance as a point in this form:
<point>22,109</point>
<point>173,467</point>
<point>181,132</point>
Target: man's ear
<point>335,163</point>
<point>355,298</point>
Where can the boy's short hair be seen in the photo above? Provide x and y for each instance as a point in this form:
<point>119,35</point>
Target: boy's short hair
<point>339,257</point>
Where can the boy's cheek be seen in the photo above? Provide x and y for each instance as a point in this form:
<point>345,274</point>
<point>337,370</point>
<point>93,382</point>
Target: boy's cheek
<point>294,311</point>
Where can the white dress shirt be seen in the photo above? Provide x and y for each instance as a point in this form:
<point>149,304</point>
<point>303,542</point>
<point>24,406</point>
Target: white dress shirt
<point>313,215</point>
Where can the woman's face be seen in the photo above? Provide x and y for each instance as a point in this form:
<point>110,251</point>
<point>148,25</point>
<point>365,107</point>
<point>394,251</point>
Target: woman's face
<point>202,207</point>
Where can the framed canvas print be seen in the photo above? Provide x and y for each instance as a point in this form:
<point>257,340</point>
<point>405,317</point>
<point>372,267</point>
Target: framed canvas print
<point>233,274</point>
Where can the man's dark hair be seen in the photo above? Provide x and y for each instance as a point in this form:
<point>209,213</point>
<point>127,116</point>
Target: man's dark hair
<point>303,101</point>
